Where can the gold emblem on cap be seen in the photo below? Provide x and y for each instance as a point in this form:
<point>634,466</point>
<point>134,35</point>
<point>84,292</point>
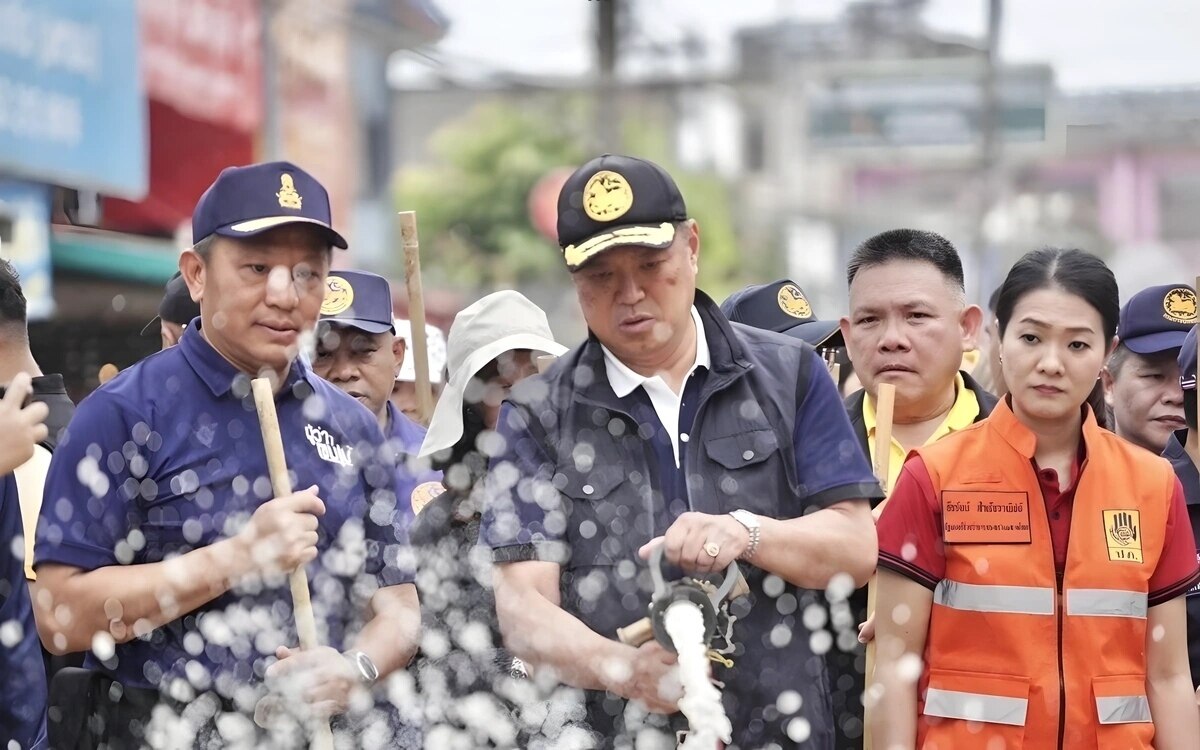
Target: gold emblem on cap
<point>288,197</point>
<point>607,196</point>
<point>792,302</point>
<point>338,295</point>
<point>1179,306</point>
<point>424,494</point>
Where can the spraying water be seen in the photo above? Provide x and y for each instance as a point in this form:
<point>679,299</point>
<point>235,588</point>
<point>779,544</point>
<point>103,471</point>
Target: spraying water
<point>701,702</point>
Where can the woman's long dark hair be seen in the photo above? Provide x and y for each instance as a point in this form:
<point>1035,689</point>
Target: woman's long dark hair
<point>1076,272</point>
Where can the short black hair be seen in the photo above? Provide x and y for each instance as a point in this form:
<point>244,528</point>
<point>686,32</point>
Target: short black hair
<point>908,244</point>
<point>12,298</point>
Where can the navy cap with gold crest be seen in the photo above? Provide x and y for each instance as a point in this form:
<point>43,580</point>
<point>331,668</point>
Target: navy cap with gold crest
<point>1157,319</point>
<point>614,201</point>
<point>246,201</point>
<point>782,307</point>
<point>1187,361</point>
<point>357,299</point>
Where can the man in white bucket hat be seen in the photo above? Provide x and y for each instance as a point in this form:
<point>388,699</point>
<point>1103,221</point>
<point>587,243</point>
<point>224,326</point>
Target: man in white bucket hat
<point>404,390</point>
<point>493,344</point>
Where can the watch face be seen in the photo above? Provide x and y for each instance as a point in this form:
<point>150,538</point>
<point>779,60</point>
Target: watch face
<point>366,667</point>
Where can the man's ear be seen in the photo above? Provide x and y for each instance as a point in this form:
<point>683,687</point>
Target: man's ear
<point>1106,379</point>
<point>399,348</point>
<point>844,327</point>
<point>193,269</point>
<point>971,321</point>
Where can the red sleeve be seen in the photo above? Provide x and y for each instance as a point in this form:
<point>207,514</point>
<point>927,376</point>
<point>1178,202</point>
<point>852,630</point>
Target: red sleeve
<point>910,528</point>
<point>1177,569</point>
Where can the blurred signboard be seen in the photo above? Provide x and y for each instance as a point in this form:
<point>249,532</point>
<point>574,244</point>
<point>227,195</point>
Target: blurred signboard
<point>936,108</point>
<point>202,57</point>
<point>25,242</point>
<point>72,110</point>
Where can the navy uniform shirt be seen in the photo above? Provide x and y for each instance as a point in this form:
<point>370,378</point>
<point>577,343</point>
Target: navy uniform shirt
<point>1189,477</point>
<point>404,438</point>
<point>168,457</point>
<point>22,675</point>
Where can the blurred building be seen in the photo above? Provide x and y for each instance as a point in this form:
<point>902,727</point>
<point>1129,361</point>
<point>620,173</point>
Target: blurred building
<point>116,116</point>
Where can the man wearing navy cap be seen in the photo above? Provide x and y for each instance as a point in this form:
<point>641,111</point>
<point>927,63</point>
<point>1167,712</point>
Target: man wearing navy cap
<point>1183,451</point>
<point>1141,379</point>
<point>160,547</point>
<point>175,311</point>
<point>670,426</point>
<point>359,352</point>
<point>782,307</point>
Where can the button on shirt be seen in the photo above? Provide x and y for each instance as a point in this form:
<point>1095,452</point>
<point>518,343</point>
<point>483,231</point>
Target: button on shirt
<point>168,457</point>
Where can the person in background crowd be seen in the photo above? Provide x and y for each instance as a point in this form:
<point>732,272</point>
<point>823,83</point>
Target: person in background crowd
<point>908,325</point>
<point>23,690</point>
<point>404,390</point>
<point>989,373</point>
<point>359,352</point>
<point>670,426</point>
<point>1031,630</point>
<point>160,548</point>
<point>1183,451</point>
<point>176,310</point>
<point>1141,379</point>
<point>493,345</point>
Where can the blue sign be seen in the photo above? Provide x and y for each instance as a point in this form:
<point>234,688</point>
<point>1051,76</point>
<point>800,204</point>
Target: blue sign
<point>25,242</point>
<point>72,107</point>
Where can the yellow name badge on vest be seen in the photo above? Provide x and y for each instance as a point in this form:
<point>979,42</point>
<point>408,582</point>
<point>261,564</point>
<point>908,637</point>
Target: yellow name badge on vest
<point>972,517</point>
<point>1123,533</point>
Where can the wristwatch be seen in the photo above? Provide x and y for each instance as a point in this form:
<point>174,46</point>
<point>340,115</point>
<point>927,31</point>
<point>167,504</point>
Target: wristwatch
<point>368,673</point>
<point>750,521</point>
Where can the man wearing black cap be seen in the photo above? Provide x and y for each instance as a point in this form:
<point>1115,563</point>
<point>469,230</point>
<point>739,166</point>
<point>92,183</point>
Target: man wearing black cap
<point>1141,379</point>
<point>1183,451</point>
<point>160,547</point>
<point>175,311</point>
<point>670,426</point>
<point>359,352</point>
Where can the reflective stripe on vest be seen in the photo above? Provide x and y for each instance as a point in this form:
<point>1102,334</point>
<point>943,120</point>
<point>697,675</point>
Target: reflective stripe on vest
<point>1106,603</point>
<point>1026,600</point>
<point>1121,709</point>
<point>993,709</point>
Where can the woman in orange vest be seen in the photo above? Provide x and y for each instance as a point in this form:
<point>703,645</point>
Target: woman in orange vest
<point>1033,566</point>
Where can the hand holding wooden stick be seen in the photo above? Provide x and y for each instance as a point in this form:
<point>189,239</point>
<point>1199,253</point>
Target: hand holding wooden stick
<point>281,484</point>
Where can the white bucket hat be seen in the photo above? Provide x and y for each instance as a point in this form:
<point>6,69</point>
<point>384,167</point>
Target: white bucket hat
<point>498,323</point>
<point>435,346</point>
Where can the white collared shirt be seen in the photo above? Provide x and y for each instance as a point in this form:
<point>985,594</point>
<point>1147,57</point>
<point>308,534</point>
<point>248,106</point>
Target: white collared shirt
<point>666,402</point>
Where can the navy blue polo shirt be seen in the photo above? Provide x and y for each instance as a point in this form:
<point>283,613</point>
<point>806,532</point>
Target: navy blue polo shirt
<point>22,673</point>
<point>405,437</point>
<point>1189,477</point>
<point>168,457</point>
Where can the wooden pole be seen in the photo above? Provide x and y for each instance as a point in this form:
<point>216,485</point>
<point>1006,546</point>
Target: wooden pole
<point>281,484</point>
<point>885,403</point>
<point>416,313</point>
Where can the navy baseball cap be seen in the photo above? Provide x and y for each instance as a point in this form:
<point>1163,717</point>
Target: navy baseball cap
<point>613,201</point>
<point>782,307</point>
<point>176,306</point>
<point>246,201</point>
<point>357,299</point>
<point>1157,319</point>
<point>1187,361</point>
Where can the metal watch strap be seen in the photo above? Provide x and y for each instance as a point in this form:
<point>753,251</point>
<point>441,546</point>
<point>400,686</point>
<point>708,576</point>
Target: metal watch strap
<point>753,528</point>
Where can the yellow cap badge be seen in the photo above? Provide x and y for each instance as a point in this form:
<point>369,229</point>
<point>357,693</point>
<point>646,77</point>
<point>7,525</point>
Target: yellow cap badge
<point>1179,306</point>
<point>424,494</point>
<point>792,302</point>
<point>288,197</point>
<point>338,295</point>
<point>607,196</point>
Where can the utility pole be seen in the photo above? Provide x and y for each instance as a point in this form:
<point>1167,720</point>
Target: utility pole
<point>607,109</point>
<point>990,167</point>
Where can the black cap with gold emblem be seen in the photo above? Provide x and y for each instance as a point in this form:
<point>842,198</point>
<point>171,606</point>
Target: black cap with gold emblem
<point>782,307</point>
<point>1157,319</point>
<point>614,201</point>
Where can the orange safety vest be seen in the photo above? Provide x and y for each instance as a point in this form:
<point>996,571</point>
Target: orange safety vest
<point>1017,656</point>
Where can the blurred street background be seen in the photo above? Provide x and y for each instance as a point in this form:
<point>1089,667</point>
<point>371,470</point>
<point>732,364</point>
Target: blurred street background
<point>796,130</point>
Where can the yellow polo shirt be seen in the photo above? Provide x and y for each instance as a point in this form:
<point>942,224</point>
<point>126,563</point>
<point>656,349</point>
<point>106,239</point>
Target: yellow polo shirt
<point>962,414</point>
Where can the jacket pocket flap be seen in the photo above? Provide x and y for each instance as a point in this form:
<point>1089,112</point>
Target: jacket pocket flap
<point>975,696</point>
<point>743,449</point>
